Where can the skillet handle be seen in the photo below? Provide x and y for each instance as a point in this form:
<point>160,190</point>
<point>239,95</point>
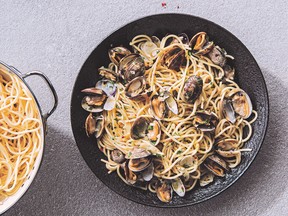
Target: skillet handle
<point>52,89</point>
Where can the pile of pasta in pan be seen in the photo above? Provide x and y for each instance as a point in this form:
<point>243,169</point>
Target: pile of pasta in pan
<point>20,133</point>
<point>168,114</point>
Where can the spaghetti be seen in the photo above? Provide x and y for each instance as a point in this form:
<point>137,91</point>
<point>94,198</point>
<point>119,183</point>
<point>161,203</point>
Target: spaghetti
<point>20,139</point>
<point>186,125</point>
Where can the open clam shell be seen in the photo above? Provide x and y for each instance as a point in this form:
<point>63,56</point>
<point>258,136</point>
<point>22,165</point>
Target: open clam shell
<point>90,125</point>
<point>227,147</point>
<point>174,58</point>
<point>216,165</point>
<point>117,156</point>
<point>116,54</point>
<point>192,88</point>
<point>206,179</point>
<point>136,89</point>
<point>162,103</point>
<point>146,128</point>
<point>200,43</point>
<point>242,104</point>
<point>137,152</point>
<point>228,110</point>
<point>108,86</point>
<point>218,56</point>
<point>148,173</point>
<point>108,74</point>
<point>139,164</point>
<point>164,191</point>
<point>178,187</point>
<point>131,66</point>
<point>205,121</point>
<point>95,101</point>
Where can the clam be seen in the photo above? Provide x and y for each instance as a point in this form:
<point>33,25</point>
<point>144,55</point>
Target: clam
<point>164,191</point>
<point>229,72</point>
<point>200,43</point>
<point>148,173</point>
<point>228,110</point>
<point>146,127</point>
<point>90,125</point>
<point>188,161</point>
<point>100,125</point>
<point>110,103</point>
<point>174,58</point>
<point>183,37</point>
<point>94,125</point>
<point>216,165</point>
<point>117,156</point>
<point>178,187</point>
<point>136,89</point>
<point>149,48</point>
<point>131,66</point>
<point>130,176</point>
<point>139,164</point>
<point>171,102</point>
<point>136,153</point>
<point>206,179</point>
<point>242,104</point>
<point>108,86</point>
<point>226,148</point>
<point>188,181</point>
<point>139,128</point>
<point>239,103</point>
<point>162,103</point>
<point>116,54</point>
<point>153,131</point>
<point>108,74</point>
<point>205,121</point>
<point>158,107</point>
<point>95,101</point>
<point>192,88</point>
<point>218,56</point>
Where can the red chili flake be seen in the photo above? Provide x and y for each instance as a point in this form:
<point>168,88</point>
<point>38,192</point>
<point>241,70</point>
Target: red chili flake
<point>164,4</point>
<point>101,149</point>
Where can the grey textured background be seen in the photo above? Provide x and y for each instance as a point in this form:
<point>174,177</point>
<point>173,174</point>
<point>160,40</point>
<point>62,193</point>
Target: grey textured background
<point>57,36</point>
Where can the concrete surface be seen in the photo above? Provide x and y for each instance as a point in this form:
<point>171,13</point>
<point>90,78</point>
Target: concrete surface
<point>57,36</point>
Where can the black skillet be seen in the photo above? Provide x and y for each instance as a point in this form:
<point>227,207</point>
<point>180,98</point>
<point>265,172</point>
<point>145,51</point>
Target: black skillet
<point>248,76</point>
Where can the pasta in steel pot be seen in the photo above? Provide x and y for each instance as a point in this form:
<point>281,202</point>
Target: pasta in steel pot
<point>20,137</point>
<point>168,114</point>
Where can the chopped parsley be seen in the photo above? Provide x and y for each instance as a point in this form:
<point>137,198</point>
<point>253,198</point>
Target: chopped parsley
<point>186,166</point>
<point>129,154</point>
<point>179,151</point>
<point>158,155</point>
<point>153,142</point>
<point>150,127</point>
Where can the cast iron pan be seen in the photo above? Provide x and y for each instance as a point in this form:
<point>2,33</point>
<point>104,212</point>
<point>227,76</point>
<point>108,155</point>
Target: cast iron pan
<point>249,77</point>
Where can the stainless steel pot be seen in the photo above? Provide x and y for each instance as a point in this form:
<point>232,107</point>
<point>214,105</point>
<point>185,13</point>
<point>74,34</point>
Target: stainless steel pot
<point>11,200</point>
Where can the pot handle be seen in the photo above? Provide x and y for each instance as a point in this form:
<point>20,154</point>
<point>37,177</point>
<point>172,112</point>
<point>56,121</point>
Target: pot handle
<point>52,89</point>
